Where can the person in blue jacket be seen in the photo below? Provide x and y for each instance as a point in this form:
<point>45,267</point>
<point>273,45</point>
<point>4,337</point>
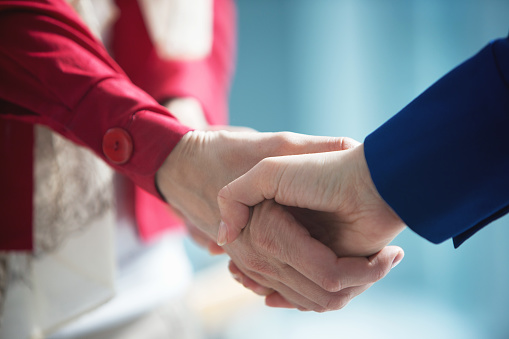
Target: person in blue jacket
<point>440,166</point>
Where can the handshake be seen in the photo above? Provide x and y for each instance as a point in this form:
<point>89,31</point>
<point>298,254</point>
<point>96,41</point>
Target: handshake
<point>299,215</point>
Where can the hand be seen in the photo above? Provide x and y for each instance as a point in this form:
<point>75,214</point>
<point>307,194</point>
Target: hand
<point>336,199</point>
<point>189,112</point>
<point>204,240</point>
<point>200,237</point>
<point>275,252</point>
<point>204,161</point>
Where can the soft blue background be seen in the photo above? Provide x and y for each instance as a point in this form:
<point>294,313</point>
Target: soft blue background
<point>343,67</point>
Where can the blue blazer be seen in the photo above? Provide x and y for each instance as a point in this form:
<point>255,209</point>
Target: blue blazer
<point>442,163</point>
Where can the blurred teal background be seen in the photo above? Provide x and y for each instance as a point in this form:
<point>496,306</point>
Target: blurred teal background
<point>341,68</point>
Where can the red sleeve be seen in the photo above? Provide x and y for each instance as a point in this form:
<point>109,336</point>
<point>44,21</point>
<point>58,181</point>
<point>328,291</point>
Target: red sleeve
<point>208,79</point>
<point>54,72</point>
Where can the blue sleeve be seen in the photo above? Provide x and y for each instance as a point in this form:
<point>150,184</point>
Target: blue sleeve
<point>442,163</point>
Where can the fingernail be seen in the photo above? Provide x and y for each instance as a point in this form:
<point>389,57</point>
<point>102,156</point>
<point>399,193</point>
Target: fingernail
<point>221,234</point>
<point>396,260</point>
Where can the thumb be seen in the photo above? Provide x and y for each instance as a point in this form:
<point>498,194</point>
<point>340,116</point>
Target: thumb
<point>260,183</point>
<point>385,260</point>
<point>234,200</point>
<point>234,217</point>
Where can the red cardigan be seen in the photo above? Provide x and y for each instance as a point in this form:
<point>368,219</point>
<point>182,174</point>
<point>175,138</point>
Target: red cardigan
<point>54,72</point>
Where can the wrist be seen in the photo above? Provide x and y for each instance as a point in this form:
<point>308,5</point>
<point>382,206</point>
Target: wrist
<point>190,178</point>
<point>391,224</point>
<point>168,172</point>
<point>177,178</point>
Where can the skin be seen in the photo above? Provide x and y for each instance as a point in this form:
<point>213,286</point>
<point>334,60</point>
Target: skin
<point>189,112</point>
<point>329,195</point>
<point>205,161</point>
<point>276,252</point>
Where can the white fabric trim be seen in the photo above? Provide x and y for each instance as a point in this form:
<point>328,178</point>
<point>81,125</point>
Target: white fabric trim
<point>180,29</point>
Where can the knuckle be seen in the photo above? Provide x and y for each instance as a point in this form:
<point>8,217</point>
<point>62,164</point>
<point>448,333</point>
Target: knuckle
<point>336,144</point>
<point>268,165</point>
<point>331,283</point>
<point>263,242</point>
<point>284,141</point>
<point>264,239</point>
<point>268,169</point>
<point>348,143</point>
<point>320,309</point>
<point>339,302</point>
<point>378,268</point>
<point>224,193</point>
<point>252,263</point>
<point>378,273</point>
<point>259,266</point>
<point>340,143</point>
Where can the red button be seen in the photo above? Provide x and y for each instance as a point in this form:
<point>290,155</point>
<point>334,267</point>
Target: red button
<point>117,145</point>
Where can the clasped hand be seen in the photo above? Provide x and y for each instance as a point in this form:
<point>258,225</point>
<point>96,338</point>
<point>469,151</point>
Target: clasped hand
<point>325,196</point>
<point>306,243</point>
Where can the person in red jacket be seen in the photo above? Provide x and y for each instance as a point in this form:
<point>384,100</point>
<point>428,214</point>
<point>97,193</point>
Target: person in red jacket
<point>54,72</point>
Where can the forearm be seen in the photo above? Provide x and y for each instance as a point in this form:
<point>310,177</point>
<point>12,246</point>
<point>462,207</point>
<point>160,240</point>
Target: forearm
<point>442,162</point>
<point>56,73</point>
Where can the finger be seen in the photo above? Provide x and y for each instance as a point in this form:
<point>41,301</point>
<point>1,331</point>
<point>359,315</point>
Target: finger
<point>248,282</point>
<point>294,299</point>
<point>310,266</point>
<point>309,299</point>
<point>275,232</point>
<point>320,265</point>
<point>285,179</point>
<point>336,301</point>
<point>262,181</point>
<point>356,271</point>
<point>287,143</point>
<point>203,240</point>
<point>234,200</point>
<point>198,236</point>
<point>229,128</point>
<point>215,249</point>
<point>277,300</point>
<point>285,239</point>
<point>297,300</point>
